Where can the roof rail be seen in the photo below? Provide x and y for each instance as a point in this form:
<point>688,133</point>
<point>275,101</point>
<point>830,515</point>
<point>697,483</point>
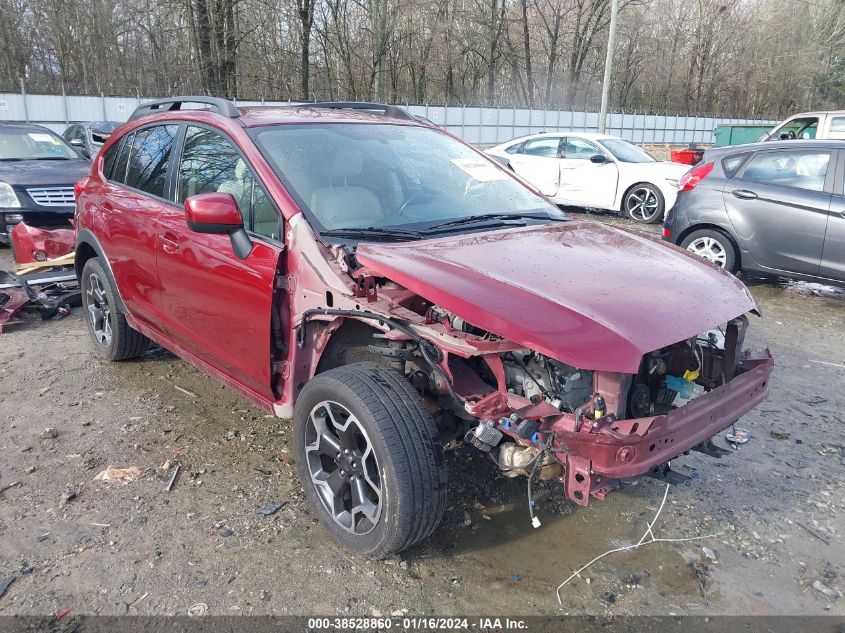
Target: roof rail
<point>387,110</point>
<point>169,104</point>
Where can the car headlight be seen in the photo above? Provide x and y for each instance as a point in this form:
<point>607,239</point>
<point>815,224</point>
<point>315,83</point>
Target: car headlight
<point>8,198</point>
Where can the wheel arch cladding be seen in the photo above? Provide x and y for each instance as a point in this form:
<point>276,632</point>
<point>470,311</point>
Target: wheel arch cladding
<point>87,247</point>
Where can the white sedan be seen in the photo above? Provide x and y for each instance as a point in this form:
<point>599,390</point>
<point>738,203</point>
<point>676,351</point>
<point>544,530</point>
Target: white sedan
<point>596,171</point>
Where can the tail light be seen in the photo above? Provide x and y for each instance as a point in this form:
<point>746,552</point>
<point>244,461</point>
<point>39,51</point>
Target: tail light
<point>78,186</point>
<point>690,180</point>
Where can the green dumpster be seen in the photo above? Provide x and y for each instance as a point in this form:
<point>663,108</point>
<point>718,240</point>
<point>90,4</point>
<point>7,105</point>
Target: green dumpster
<point>739,133</point>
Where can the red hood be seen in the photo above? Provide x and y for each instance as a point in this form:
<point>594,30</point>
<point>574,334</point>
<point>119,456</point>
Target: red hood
<point>589,295</point>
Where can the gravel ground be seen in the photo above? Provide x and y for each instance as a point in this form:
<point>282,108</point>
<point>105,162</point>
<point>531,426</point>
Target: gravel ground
<point>72,543</point>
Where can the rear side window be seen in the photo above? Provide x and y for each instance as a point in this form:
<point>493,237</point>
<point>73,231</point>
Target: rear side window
<point>546,147</point>
<point>837,124</point>
<point>118,173</point>
<point>732,163</point>
<point>109,159</point>
<point>149,157</point>
<point>513,149</point>
<point>803,169</point>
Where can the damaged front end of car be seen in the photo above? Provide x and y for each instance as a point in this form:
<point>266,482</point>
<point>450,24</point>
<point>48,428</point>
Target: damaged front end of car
<point>546,377</point>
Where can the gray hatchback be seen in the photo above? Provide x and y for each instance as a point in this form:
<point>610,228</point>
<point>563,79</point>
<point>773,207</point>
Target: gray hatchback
<point>776,208</point>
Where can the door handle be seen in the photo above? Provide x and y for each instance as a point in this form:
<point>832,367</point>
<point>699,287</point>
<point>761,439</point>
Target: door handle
<point>169,243</point>
<point>744,194</point>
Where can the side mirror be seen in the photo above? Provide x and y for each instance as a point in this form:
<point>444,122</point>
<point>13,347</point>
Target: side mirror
<point>599,159</point>
<point>76,142</point>
<point>218,213</point>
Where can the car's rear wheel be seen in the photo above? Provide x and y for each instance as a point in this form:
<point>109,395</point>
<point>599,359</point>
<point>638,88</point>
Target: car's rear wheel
<point>369,458</point>
<point>111,334</point>
<point>644,203</point>
<point>712,245</point>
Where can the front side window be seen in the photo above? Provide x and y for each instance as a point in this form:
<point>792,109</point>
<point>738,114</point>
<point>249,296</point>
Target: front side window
<point>803,169</point>
<point>580,148</point>
<point>33,144</point>
<point>547,147</point>
<point>804,128</point>
<point>364,175</point>
<point>211,163</point>
<point>149,157</point>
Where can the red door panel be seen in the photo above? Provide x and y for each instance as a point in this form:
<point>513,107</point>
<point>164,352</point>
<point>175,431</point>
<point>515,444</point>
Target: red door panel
<point>215,305</point>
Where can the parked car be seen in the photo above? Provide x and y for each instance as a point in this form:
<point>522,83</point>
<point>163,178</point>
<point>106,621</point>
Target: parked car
<point>390,288</point>
<point>810,126</point>
<point>37,173</point>
<point>88,138</point>
<point>776,208</point>
<point>596,171</point>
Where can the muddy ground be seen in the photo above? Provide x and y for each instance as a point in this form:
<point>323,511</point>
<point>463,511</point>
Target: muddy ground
<point>775,505</point>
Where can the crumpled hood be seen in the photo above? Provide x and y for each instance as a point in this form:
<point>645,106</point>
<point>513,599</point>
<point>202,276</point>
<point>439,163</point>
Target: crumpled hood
<point>589,295</point>
<point>36,173</point>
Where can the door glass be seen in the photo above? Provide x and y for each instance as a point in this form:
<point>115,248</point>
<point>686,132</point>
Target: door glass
<point>804,128</point>
<point>147,169</point>
<point>804,169</point>
<point>547,147</point>
<point>109,160</point>
<point>211,163</point>
<point>580,149</point>
<point>513,149</point>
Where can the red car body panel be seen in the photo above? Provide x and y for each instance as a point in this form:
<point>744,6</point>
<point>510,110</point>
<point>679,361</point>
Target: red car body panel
<point>586,294</point>
<point>37,245</point>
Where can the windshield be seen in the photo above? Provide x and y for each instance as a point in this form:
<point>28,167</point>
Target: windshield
<point>391,176</point>
<point>626,152</point>
<point>35,145</point>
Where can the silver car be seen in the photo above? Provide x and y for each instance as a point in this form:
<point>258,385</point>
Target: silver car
<point>776,208</point>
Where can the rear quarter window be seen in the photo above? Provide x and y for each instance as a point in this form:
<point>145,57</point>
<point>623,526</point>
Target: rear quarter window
<point>109,159</point>
<point>731,164</point>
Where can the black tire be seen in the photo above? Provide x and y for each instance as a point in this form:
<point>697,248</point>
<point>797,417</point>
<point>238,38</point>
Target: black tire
<point>123,342</point>
<point>410,465</point>
<point>644,203</point>
<point>722,249</point>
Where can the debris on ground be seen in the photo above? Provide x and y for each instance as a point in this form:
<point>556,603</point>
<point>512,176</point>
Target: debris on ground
<point>271,507</point>
<point>68,496</point>
<point>737,437</point>
<point>709,554</point>
<point>815,532</point>
<point>5,584</point>
<point>702,573</point>
<point>172,479</point>
<point>49,293</point>
<point>190,394</point>
<point>197,610</point>
<point>34,246</point>
<point>49,433</point>
<point>828,592</point>
<point>113,473</point>
<point>779,435</point>
<point>7,486</point>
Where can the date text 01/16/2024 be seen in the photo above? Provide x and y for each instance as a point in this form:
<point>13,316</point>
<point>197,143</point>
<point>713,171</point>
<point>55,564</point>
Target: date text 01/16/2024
<point>416,623</point>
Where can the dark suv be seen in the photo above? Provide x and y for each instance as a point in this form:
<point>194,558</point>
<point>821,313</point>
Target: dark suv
<point>776,208</point>
<point>37,173</point>
<point>390,289</point>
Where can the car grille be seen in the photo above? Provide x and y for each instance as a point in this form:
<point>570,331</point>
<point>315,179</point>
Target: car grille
<point>52,196</point>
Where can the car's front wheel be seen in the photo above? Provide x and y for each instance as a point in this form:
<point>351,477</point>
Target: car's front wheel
<point>111,334</point>
<point>644,203</point>
<point>369,458</point>
<point>712,245</point>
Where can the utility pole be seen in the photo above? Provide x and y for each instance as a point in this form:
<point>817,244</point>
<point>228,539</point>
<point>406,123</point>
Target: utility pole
<point>608,65</point>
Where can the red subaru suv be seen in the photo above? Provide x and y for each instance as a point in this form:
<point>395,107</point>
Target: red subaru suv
<point>390,289</point>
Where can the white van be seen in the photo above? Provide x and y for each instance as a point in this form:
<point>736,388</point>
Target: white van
<point>810,125</point>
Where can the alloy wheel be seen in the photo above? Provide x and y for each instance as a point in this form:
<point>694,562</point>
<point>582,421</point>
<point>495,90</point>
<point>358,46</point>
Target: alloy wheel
<point>99,310</point>
<point>710,249</point>
<point>642,203</point>
<point>343,467</point>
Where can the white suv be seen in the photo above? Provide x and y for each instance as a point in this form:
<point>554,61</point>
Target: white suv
<point>810,125</point>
